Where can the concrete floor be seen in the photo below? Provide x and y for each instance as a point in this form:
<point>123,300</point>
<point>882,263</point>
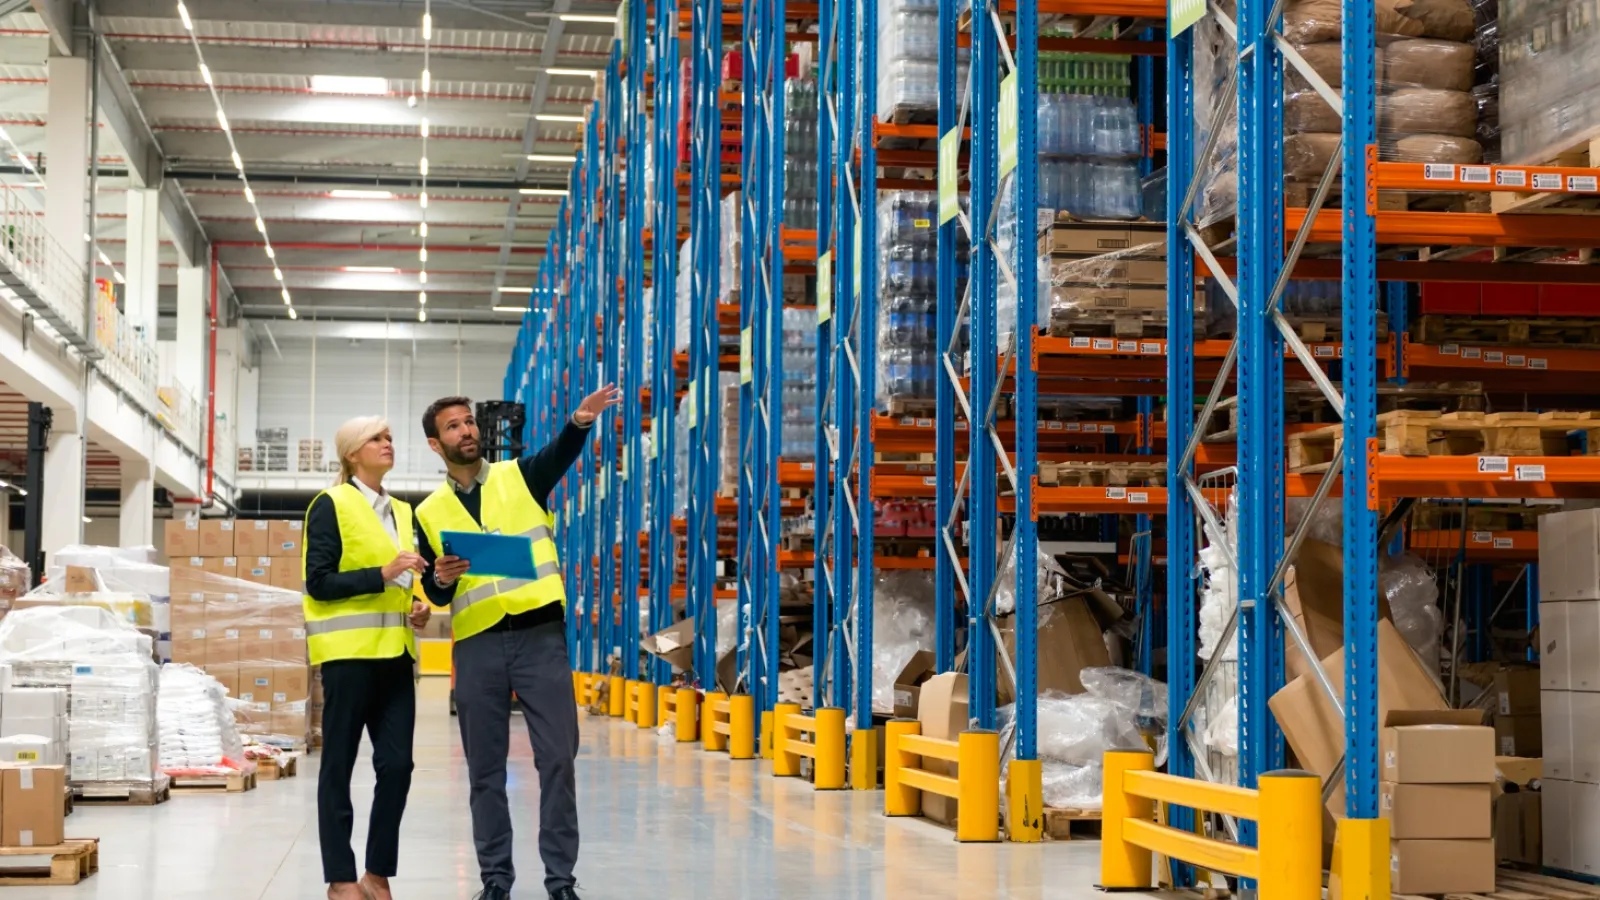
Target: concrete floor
<point>658,822</point>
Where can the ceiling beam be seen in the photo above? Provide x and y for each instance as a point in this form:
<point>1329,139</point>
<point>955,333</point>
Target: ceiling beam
<point>58,18</point>
<point>232,57</point>
<point>485,15</point>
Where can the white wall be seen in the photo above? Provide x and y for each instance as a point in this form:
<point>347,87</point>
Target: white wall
<point>348,380</point>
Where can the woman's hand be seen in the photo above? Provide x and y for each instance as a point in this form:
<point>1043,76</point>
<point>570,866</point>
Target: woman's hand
<point>404,562</point>
<point>595,404</point>
<point>420,614</point>
<point>449,568</point>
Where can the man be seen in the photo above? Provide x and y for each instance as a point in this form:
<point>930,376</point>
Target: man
<point>509,633</point>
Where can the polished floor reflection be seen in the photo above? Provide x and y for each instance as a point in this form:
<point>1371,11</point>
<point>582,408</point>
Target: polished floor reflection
<point>658,822</point>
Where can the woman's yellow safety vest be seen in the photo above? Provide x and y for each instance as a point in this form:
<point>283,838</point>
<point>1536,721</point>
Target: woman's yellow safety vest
<point>508,508</point>
<point>370,626</point>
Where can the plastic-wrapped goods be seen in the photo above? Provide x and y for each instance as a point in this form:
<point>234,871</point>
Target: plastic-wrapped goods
<point>680,466</point>
<point>800,153</point>
<point>15,578</point>
<point>1088,147</point>
<point>108,678</point>
<point>681,328</point>
<point>907,295</point>
<point>728,458</point>
<point>1005,595</point>
<point>732,247</point>
<point>1120,708</point>
<point>1217,717</point>
<point>1413,594</point>
<point>1309,21</point>
<point>1427,63</point>
<point>198,736</point>
<point>800,365</point>
<point>902,624</point>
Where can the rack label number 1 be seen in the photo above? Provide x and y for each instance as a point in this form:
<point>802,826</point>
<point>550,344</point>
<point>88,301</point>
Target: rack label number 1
<point>949,155</point>
<point>1008,124</point>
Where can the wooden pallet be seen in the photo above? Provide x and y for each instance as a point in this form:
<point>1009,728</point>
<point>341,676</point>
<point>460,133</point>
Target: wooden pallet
<point>1067,824</point>
<point>277,769</point>
<point>232,783</point>
<point>910,406</point>
<point>121,794</point>
<point>71,861</point>
<point>1514,884</point>
<point>1079,474</point>
<point>1120,323</point>
<point>1581,155</point>
<point>1413,433</point>
<point>913,115</point>
<point>1520,331</point>
<point>1448,517</point>
<point>1297,195</point>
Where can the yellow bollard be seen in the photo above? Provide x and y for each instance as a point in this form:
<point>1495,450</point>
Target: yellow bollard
<point>645,715</point>
<point>1124,865</point>
<point>630,701</point>
<point>577,688</point>
<point>684,714</point>
<point>664,697</point>
<point>784,763</point>
<point>1290,835</point>
<point>978,776</point>
<point>713,739</point>
<point>618,697</point>
<point>1025,796</point>
<point>864,760</point>
<point>766,734</point>
<point>742,725</point>
<point>829,773</point>
<point>1360,859</point>
<point>899,800</point>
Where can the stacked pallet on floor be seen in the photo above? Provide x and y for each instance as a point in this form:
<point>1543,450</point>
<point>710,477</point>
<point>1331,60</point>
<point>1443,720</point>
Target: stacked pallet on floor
<point>232,783</point>
<point>69,862</point>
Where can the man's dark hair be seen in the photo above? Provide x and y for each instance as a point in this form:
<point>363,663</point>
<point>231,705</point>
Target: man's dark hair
<point>430,418</point>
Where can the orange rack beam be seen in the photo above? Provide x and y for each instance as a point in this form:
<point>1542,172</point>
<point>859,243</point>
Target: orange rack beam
<point>1409,228</point>
<point>1486,546</point>
<point>1513,477</point>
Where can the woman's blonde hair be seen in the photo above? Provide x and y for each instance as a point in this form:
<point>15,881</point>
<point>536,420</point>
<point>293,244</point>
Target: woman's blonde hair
<point>351,437</point>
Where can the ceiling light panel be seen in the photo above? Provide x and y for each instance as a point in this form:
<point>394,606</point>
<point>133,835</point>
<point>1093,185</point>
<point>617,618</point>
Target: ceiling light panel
<point>364,85</point>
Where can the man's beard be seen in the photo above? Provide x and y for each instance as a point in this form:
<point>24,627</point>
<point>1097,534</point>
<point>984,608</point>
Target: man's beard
<point>459,457</point>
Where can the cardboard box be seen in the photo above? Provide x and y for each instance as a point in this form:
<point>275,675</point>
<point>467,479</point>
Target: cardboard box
<point>1441,867</point>
<point>252,537</point>
<point>181,537</point>
<point>290,650</point>
<point>255,683</point>
<point>1555,667</point>
<point>256,649</point>
<point>1583,822</point>
<point>1519,735</point>
<point>216,538</point>
<point>291,722</point>
<point>184,579</point>
<point>82,580</point>
<point>257,570</point>
<point>1585,732</point>
<point>286,575</point>
<point>1517,692</point>
<point>222,650</point>
<point>908,684</point>
<point>35,703</point>
<point>1313,592</point>
<point>1555,823</point>
<point>1569,555</point>
<point>189,651</point>
<point>1518,770</point>
<point>291,684</point>
<point>1436,747</point>
<point>1556,725</point>
<point>674,644</point>
<point>227,674</point>
<point>1316,732</point>
<point>1518,829</point>
<point>942,710</point>
<point>52,728</point>
<point>1070,640</point>
<point>30,750</point>
<point>1437,811</point>
<point>285,538</point>
<point>226,566</point>
<point>32,814</point>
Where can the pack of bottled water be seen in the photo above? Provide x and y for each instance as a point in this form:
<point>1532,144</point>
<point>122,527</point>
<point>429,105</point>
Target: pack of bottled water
<point>799,385</point>
<point>1088,151</point>
<point>800,154</point>
<point>908,252</point>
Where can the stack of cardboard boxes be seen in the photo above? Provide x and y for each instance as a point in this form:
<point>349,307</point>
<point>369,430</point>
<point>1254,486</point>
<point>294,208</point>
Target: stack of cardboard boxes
<point>32,813</point>
<point>1569,699</point>
<point>33,725</point>
<point>1438,772</point>
<point>236,613</point>
<point>1518,726</point>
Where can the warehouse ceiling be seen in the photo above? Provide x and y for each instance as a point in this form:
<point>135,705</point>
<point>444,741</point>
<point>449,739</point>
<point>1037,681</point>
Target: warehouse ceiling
<point>325,106</point>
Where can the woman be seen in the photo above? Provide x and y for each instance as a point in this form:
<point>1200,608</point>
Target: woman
<point>360,558</point>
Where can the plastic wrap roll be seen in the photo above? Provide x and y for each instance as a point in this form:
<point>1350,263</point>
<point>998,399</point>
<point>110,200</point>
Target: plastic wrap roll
<point>1428,63</point>
<point>1410,111</point>
<point>1438,148</point>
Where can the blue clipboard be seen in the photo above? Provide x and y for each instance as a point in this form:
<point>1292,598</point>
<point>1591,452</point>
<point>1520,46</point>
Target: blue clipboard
<point>498,555</point>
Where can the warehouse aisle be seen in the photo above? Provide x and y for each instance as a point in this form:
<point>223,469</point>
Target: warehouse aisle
<point>659,822</point>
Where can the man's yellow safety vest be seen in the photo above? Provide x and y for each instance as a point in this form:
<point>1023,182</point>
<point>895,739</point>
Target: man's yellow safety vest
<point>370,626</point>
<point>508,508</point>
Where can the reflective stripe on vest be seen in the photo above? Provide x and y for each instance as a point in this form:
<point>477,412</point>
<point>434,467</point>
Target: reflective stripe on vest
<point>353,622</point>
<point>503,586</point>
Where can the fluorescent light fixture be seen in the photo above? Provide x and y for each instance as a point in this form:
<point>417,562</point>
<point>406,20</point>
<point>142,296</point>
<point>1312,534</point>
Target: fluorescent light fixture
<point>512,289</point>
<point>271,253</point>
<point>104,259</point>
<point>349,84</point>
<point>382,270</point>
<point>422,229</point>
<point>422,166</point>
<point>423,199</point>
<point>558,117</point>
<point>544,192</point>
<point>88,521</point>
<point>118,276</point>
<point>293,314</point>
<point>427,81</point>
<point>511,309</point>
<point>249,195</point>
<point>205,73</point>
<point>87,239</point>
<point>422,315</point>
<point>222,119</point>
<point>552,158</point>
<point>183,13</point>
<point>260,225</point>
<point>581,73</point>
<point>360,194</point>
<point>422,277</point>
<point>424,127</point>
<point>422,298</point>
<point>422,254</point>
<point>237,162</point>
<point>277,273</point>
<point>427,26</point>
<point>285,293</point>
<point>582,17</point>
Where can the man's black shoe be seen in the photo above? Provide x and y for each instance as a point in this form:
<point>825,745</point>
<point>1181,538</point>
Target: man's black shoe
<point>492,892</point>
<point>565,893</point>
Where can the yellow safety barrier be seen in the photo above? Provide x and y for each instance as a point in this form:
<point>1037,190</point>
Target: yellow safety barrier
<point>617,697</point>
<point>714,721</point>
<point>975,786</point>
<point>580,688</point>
<point>666,696</point>
<point>685,714</point>
<point>645,715</point>
<point>826,747</point>
<point>1286,864</point>
<point>629,710</point>
<point>728,724</point>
